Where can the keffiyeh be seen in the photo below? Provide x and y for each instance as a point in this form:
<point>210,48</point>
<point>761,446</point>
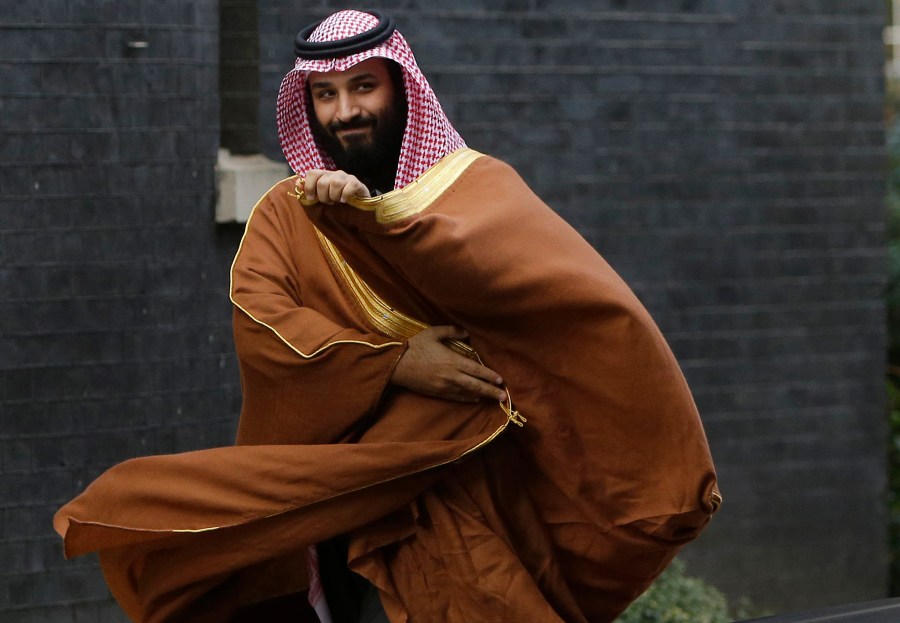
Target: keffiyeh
<point>428,137</point>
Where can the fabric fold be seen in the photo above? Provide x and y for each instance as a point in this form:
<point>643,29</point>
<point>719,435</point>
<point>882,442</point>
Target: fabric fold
<point>451,513</point>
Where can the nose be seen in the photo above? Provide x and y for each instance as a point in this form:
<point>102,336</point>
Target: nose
<point>347,108</point>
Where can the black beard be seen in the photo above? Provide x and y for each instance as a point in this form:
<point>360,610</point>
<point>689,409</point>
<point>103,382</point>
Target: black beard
<point>373,161</point>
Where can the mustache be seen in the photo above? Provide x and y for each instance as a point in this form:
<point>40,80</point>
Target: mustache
<point>357,123</point>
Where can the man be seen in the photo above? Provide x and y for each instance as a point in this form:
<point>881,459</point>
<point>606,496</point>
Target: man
<point>391,304</point>
<point>359,116</point>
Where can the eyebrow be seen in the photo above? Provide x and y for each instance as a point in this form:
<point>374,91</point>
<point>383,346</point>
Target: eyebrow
<point>322,84</point>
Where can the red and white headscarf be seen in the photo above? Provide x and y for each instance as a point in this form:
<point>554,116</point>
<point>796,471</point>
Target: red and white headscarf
<point>428,137</point>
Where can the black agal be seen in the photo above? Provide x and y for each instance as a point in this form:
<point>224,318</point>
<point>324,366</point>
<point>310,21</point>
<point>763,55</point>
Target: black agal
<point>343,47</point>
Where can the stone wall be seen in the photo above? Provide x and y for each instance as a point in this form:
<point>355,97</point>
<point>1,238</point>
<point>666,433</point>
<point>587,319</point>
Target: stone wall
<point>115,326</point>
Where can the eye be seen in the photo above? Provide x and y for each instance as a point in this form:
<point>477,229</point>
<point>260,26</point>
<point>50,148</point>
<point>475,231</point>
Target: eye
<point>365,87</point>
<point>323,94</point>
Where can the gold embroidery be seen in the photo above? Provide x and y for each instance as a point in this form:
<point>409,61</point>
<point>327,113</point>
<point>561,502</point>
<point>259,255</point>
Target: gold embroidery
<point>395,323</point>
<point>270,327</point>
<point>463,454</point>
<point>388,321</point>
<point>413,198</point>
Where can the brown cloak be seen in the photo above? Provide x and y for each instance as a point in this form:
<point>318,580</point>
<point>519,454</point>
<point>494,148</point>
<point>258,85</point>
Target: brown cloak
<point>452,516</point>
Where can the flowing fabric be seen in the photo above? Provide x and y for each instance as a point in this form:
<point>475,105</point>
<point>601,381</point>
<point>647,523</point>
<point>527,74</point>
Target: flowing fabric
<point>322,449</point>
<point>613,457</point>
<point>452,515</point>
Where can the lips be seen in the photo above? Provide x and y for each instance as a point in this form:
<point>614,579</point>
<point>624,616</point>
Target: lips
<point>354,126</point>
<point>353,131</point>
<point>354,135</point>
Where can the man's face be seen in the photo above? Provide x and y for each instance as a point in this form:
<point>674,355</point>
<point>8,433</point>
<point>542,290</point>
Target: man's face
<point>355,110</point>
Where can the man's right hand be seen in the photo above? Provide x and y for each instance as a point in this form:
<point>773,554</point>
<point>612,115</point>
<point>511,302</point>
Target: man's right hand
<point>430,367</point>
<point>332,187</point>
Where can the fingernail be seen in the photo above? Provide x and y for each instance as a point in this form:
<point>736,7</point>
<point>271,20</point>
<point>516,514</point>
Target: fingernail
<point>499,381</point>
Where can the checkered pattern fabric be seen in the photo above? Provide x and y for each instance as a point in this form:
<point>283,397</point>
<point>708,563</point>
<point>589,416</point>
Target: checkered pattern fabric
<point>429,136</point>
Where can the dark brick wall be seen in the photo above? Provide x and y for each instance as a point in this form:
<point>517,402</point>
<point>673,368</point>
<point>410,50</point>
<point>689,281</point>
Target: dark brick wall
<point>115,333</point>
<point>239,75</point>
<point>727,158</point>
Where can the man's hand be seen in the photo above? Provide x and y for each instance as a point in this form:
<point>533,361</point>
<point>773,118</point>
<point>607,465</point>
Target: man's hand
<point>332,187</point>
<point>430,367</point>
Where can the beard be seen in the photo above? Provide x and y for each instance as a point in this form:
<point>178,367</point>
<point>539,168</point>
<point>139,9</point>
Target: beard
<point>372,156</point>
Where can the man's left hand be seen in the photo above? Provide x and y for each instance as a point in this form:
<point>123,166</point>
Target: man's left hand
<point>430,367</point>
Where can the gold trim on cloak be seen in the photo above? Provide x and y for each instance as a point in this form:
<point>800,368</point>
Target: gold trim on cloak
<point>415,197</point>
<point>389,208</point>
<point>394,323</point>
<point>286,341</point>
<point>383,317</point>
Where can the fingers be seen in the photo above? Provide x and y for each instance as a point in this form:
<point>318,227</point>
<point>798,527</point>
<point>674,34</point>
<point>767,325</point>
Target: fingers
<point>430,367</point>
<point>332,187</point>
<point>353,189</point>
<point>465,365</point>
<point>479,371</point>
<point>310,182</point>
<point>465,388</point>
<point>472,381</point>
<point>475,389</point>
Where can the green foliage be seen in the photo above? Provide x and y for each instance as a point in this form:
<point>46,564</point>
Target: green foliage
<point>892,291</point>
<point>676,598</point>
<point>893,388</point>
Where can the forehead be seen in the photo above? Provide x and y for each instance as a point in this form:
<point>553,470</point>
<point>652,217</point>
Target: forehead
<point>370,67</point>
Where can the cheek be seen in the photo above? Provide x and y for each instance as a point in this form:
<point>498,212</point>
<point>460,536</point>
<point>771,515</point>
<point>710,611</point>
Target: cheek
<point>386,102</point>
<point>322,113</point>
<point>382,102</point>
<point>383,108</point>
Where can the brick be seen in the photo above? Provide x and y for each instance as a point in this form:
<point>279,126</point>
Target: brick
<point>21,78</point>
<point>39,615</point>
<point>16,181</point>
<point>107,612</point>
<point>90,11</point>
<point>17,455</point>
<point>82,78</point>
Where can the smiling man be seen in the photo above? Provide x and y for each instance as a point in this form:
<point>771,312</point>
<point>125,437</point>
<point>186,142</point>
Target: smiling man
<point>454,410</point>
<point>359,121</point>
